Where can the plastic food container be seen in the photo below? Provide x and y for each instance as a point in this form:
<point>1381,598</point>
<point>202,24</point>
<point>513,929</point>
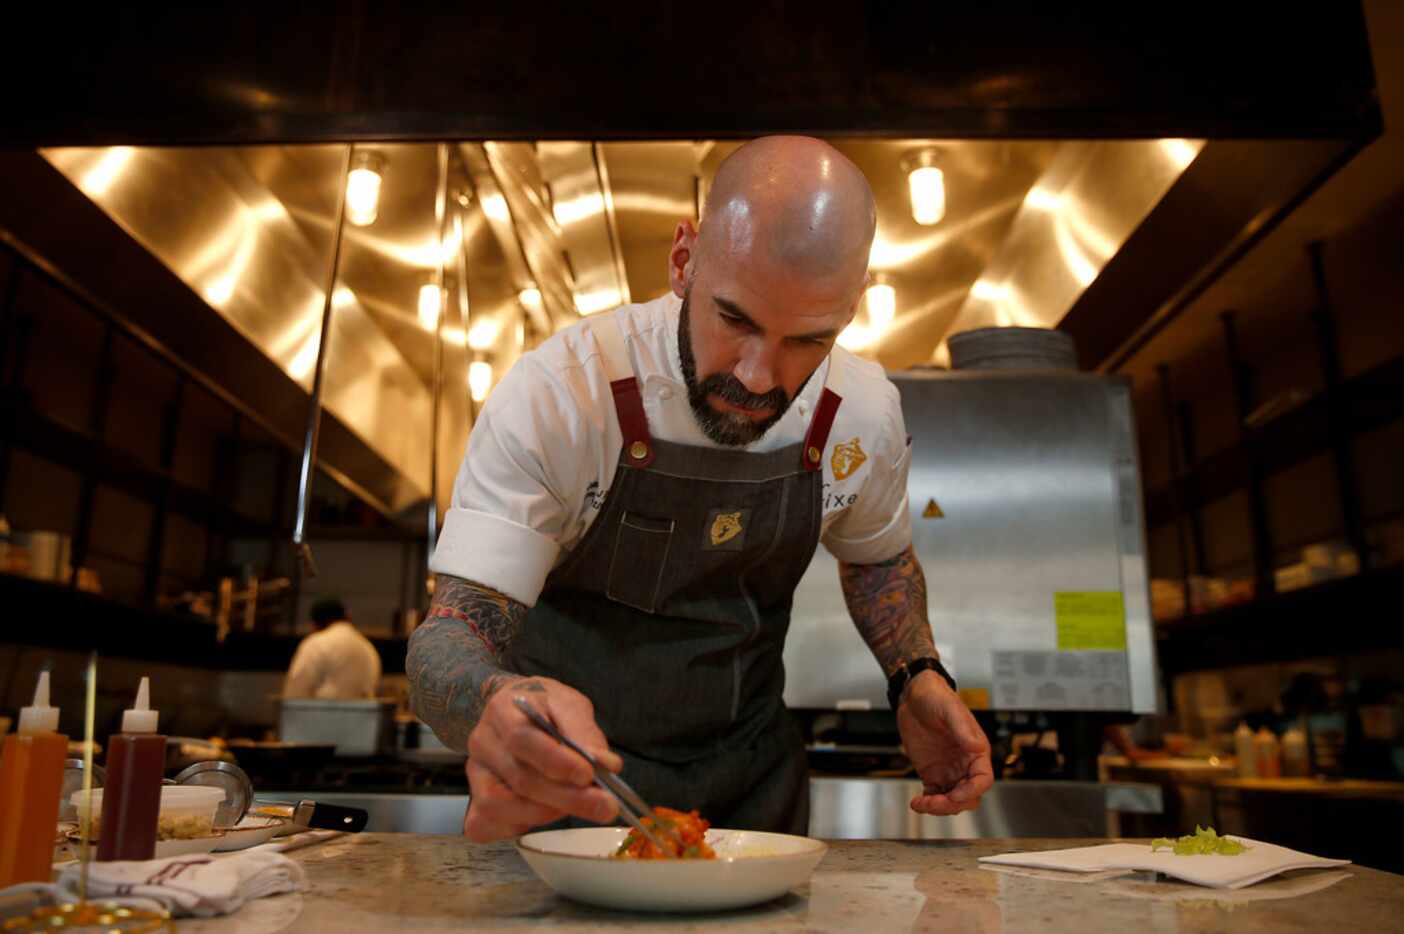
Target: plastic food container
<point>187,811</point>
<point>356,727</point>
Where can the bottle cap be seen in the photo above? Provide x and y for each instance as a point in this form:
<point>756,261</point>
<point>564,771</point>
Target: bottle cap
<point>39,717</point>
<point>140,718</point>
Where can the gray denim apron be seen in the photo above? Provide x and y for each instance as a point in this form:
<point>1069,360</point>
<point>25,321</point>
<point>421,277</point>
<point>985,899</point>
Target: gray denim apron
<point>671,614</point>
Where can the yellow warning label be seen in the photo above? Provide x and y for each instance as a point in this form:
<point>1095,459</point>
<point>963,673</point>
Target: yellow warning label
<point>976,698</point>
<point>932,511</point>
<point>1092,620</point>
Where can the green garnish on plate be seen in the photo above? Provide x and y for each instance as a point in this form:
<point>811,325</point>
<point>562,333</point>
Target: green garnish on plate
<point>1205,841</point>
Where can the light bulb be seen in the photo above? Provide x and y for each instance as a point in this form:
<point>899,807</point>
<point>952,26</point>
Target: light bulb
<point>479,379</point>
<point>530,297</point>
<point>855,337</point>
<point>429,300</point>
<point>363,189</point>
<point>482,335</point>
<point>882,305</point>
<point>987,291</point>
<point>928,189</point>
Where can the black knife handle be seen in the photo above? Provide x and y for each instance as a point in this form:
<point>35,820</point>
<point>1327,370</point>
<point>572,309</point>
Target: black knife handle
<point>336,817</point>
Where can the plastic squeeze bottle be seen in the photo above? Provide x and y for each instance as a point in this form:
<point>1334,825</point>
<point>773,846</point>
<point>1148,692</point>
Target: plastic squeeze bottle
<point>131,797</point>
<point>1245,753</point>
<point>1269,754</point>
<point>31,778</point>
<point>1295,761</point>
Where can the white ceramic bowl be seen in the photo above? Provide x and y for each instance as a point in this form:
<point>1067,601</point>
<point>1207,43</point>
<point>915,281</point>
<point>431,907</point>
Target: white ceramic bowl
<point>751,867</point>
<point>192,806</point>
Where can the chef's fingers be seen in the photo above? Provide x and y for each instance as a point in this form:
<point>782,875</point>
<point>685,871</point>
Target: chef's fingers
<point>978,779</point>
<point>938,804</point>
<point>968,790</point>
<point>495,812</point>
<point>488,746</point>
<point>574,716</point>
<point>528,743</point>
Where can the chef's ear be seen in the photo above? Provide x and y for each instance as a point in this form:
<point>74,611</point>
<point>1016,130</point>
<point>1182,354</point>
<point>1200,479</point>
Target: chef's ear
<point>682,257</point>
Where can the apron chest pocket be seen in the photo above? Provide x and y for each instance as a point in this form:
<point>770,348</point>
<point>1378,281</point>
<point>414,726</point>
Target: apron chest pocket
<point>640,556</point>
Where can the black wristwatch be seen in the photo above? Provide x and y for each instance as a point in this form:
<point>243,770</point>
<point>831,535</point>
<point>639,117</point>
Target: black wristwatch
<point>909,670</point>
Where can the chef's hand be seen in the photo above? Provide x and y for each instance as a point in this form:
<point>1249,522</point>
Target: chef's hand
<point>946,745</point>
<point>519,777</point>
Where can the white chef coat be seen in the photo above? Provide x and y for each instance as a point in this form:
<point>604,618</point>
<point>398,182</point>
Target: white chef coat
<point>335,663</point>
<point>544,451</point>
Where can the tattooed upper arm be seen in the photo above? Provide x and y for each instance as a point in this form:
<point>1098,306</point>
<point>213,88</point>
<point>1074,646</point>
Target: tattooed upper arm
<point>887,601</point>
<point>456,656</point>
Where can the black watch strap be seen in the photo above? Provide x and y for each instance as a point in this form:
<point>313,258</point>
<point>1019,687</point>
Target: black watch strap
<point>909,670</point>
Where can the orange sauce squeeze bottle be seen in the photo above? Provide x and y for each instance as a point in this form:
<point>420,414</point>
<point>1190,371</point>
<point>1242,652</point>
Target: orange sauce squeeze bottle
<point>31,778</point>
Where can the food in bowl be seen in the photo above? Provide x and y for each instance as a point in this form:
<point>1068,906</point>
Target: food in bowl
<point>689,827</point>
<point>172,827</point>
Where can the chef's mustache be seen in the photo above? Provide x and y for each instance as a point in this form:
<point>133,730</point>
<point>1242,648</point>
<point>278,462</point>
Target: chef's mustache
<point>731,390</point>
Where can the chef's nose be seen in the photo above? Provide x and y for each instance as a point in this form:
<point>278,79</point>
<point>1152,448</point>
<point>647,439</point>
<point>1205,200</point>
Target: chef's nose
<point>757,368</point>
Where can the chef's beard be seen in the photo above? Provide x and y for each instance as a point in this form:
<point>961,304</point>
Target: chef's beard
<point>731,429</point>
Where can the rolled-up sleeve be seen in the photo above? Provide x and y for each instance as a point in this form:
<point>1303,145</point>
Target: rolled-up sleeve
<point>503,529</point>
<point>878,525</point>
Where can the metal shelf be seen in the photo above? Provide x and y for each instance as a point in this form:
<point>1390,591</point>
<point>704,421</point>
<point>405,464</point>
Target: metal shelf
<point>1352,614</point>
<point>111,628</point>
<point>1371,400</point>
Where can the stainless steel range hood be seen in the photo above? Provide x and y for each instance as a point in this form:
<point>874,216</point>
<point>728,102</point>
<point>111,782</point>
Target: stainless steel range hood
<point>1030,230</point>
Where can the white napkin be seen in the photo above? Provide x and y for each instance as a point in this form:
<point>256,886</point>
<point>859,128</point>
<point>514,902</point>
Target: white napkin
<point>1258,862</point>
<point>202,885</point>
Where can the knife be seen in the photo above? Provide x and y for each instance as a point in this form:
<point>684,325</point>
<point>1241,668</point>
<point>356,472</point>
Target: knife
<point>316,815</point>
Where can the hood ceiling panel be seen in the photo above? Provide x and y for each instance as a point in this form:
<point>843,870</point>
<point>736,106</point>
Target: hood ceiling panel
<point>588,224</point>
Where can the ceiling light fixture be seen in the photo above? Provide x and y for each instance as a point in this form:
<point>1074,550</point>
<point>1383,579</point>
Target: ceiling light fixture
<point>926,183</point>
<point>479,379</point>
<point>987,291</point>
<point>855,337</point>
<point>881,299</point>
<point>430,300</point>
<point>530,297</point>
<point>363,187</point>
<point>1042,199</point>
<point>483,335</point>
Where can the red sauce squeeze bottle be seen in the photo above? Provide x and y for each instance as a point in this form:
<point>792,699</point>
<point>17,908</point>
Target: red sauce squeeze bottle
<point>131,797</point>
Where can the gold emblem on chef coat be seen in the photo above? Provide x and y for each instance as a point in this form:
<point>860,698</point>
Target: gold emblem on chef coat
<point>846,459</point>
<point>725,527</point>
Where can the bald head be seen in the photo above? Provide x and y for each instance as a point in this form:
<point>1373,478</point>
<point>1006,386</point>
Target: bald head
<point>769,280</point>
<point>793,202</point>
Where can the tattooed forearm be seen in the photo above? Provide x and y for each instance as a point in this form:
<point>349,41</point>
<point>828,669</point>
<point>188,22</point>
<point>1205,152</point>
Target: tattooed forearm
<point>887,601</point>
<point>455,661</point>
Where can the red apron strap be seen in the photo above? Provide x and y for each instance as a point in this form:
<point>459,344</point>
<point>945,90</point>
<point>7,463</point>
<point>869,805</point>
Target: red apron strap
<point>633,423</point>
<point>818,437</point>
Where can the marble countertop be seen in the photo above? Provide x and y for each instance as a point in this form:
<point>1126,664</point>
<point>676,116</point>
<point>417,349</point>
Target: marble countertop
<point>420,883</point>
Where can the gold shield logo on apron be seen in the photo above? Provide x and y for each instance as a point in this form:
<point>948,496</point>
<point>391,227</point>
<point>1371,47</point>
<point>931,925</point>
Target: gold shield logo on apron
<point>725,529</point>
<point>846,459</point>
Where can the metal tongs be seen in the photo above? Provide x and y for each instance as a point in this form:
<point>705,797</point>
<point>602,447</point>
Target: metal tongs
<point>631,806</point>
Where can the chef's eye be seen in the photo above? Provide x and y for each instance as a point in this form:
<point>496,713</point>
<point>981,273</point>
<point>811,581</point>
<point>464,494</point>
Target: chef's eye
<point>735,321</point>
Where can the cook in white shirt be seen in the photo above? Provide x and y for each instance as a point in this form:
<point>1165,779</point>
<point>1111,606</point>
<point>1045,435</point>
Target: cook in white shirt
<point>546,445</point>
<point>335,662</point>
<point>638,499</point>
